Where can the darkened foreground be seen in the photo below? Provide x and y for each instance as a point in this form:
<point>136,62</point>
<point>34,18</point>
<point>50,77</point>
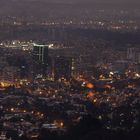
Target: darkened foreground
<point>91,128</point>
<point>87,129</point>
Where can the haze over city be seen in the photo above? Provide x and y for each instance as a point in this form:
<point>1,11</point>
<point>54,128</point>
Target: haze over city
<point>69,69</point>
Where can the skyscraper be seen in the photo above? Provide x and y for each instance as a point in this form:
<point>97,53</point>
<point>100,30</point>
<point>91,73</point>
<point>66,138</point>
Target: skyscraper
<point>40,57</point>
<point>40,53</point>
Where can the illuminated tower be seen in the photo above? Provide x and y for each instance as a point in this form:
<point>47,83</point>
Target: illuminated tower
<point>40,53</point>
<point>40,58</point>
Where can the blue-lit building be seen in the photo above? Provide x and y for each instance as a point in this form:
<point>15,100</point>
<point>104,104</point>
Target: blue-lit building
<point>40,53</point>
<point>40,58</point>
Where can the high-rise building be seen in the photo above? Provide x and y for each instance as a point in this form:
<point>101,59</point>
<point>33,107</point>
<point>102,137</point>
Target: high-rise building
<point>62,68</point>
<point>40,53</point>
<point>40,57</point>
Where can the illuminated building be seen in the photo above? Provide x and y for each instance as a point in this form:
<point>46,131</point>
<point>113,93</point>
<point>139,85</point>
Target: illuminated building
<point>40,57</point>
<point>40,53</point>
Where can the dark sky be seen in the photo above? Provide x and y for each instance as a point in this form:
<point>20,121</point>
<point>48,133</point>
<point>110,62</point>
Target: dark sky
<point>86,1</point>
<point>19,7</point>
<point>77,1</point>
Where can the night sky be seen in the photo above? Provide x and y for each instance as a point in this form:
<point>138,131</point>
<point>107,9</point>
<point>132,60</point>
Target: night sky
<point>21,7</point>
<point>85,1</point>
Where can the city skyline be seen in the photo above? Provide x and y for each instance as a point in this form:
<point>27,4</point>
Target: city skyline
<point>69,70</point>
